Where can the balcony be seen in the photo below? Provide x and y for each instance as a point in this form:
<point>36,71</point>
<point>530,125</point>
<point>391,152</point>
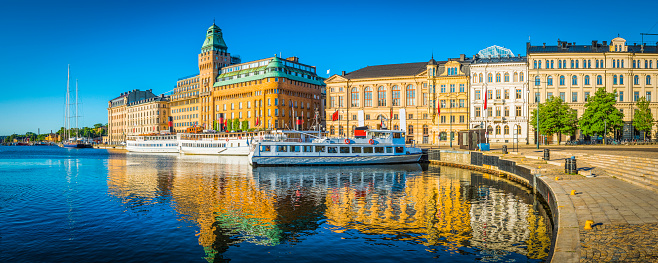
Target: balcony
<point>205,93</point>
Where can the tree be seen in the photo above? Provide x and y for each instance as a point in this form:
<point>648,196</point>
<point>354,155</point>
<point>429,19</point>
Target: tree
<point>229,125</point>
<point>643,119</point>
<point>601,116</point>
<point>245,125</point>
<point>555,117</point>
<point>236,124</point>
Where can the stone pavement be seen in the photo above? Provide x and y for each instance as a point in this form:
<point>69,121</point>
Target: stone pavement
<point>625,214</point>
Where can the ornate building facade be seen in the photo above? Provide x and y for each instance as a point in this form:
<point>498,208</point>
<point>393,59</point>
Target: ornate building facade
<point>191,101</point>
<point>267,93</point>
<point>148,116</point>
<point>118,119</point>
<point>575,72</point>
<point>499,75</point>
<point>451,85</point>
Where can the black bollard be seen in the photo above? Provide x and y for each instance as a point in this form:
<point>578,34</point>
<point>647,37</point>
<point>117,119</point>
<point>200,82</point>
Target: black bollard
<point>504,149</point>
<point>547,154</point>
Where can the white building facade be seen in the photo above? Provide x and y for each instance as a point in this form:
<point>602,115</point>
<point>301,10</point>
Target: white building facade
<point>502,77</point>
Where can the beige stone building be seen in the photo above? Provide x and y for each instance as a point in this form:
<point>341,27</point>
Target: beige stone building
<point>575,71</point>
<point>148,116</point>
<point>117,114</point>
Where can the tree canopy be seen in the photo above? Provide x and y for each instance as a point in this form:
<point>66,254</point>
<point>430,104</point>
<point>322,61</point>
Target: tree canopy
<point>555,117</point>
<point>643,119</point>
<point>601,114</point>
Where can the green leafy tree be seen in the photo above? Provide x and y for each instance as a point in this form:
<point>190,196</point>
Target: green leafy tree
<point>555,117</point>
<point>643,119</point>
<point>229,125</point>
<point>600,116</point>
<point>245,125</point>
<point>236,124</point>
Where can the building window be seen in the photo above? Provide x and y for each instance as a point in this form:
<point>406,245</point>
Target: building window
<point>497,94</point>
<point>537,97</point>
<point>477,111</point>
<point>425,99</point>
<point>332,102</point>
<point>506,92</point>
<point>452,103</point>
<point>506,130</point>
<point>461,103</point>
<point>648,80</point>
<point>518,111</point>
<point>537,80</point>
<point>477,95</point>
<point>497,77</point>
<point>443,119</point>
<point>489,94</point>
<point>498,111</point>
<point>621,96</point>
<point>562,96</point>
<point>443,88</point>
<point>381,96</point>
<point>572,64</point>
<point>367,97</point>
<point>586,80</point>
<point>574,80</point>
<point>461,88</point>
<point>636,96</point>
<point>518,93</point>
<point>534,64</point>
<point>552,64</point>
<point>489,77</point>
<point>516,77</point>
<point>562,79</point>
<point>586,96</point>
<point>411,95</point>
<point>549,95</point>
<point>506,111</point>
<point>497,130</point>
<point>614,80</point>
<point>599,80</point>
<point>396,95</point>
<point>355,97</point>
<point>452,88</point>
<point>636,80</point>
<point>648,96</point>
<point>549,80</point>
<point>340,102</point>
<point>480,77</point>
<point>621,79</point>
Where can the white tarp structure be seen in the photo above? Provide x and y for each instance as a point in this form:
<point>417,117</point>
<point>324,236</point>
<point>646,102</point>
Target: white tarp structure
<point>403,120</point>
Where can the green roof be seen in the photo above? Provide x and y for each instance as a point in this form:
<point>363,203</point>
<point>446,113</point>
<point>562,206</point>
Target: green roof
<point>214,40</point>
<point>268,72</point>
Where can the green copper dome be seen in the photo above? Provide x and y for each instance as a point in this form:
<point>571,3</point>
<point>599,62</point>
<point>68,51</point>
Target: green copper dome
<point>214,40</point>
<point>275,63</point>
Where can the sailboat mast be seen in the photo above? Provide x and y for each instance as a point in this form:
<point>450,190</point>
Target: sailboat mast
<point>77,127</point>
<point>68,104</point>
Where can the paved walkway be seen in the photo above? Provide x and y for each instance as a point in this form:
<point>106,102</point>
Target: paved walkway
<point>625,214</point>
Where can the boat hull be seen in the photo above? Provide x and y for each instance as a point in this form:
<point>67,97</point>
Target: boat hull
<point>172,149</point>
<point>234,151</point>
<point>331,160</point>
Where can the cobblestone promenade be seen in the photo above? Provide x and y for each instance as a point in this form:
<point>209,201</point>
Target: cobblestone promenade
<point>625,215</point>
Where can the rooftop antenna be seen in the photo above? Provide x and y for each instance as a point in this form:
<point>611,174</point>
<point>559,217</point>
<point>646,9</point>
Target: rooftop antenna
<point>213,20</point>
<point>646,34</point>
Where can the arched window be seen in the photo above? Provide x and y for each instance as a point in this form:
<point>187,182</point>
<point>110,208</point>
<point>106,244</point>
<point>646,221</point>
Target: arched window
<point>614,80</point>
<point>537,81</point>
<point>506,77</point>
<point>518,130</point>
<point>411,95</point>
<point>489,77</point>
<point>549,80</point>
<point>475,78</point>
<point>480,78</point>
<point>367,97</point>
<point>506,130</point>
<point>410,130</point>
<point>636,80</point>
<point>355,97</point>
<point>443,136</point>
<point>521,77</point>
<point>574,80</point>
<point>599,80</point>
<point>396,127</point>
<point>426,130</point>
<point>497,77</point>
<point>381,96</point>
<point>516,77</point>
<point>648,80</point>
<point>562,79</point>
<point>586,80</point>
<point>497,130</point>
<point>621,79</point>
<point>396,95</point>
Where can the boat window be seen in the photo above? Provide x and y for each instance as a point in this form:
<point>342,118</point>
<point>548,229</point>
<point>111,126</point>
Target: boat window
<point>281,148</point>
<point>399,149</point>
<point>379,149</point>
<point>294,148</point>
<point>396,135</point>
<point>308,148</point>
<point>356,149</point>
<point>389,149</point>
<point>319,149</point>
<point>331,150</point>
<point>344,149</point>
<point>265,148</point>
<point>367,149</point>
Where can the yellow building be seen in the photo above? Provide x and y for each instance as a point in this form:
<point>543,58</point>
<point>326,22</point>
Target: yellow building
<point>575,72</point>
<point>267,93</point>
<point>401,97</point>
<point>117,114</point>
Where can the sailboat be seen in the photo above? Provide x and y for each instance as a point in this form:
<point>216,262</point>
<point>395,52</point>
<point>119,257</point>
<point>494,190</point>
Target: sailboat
<point>67,141</point>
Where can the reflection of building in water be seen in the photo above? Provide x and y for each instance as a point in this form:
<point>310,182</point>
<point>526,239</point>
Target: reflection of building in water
<point>502,217</point>
<point>137,181</point>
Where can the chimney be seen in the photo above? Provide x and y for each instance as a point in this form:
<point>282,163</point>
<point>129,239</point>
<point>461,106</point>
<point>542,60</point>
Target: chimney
<point>594,43</point>
<point>473,57</point>
<point>462,57</point>
<point>519,55</point>
<point>293,59</point>
<point>342,73</point>
<point>559,43</point>
<point>605,43</point>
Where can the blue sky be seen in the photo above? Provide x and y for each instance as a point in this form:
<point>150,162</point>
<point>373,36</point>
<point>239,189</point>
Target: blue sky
<point>116,46</point>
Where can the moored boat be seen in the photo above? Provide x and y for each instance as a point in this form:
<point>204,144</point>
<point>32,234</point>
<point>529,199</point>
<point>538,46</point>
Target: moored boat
<point>152,144</point>
<point>282,148</point>
<point>220,143</point>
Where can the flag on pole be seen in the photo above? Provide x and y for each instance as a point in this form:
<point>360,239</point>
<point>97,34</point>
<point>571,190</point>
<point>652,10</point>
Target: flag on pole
<point>257,121</point>
<point>334,117</point>
<point>438,107</point>
<point>327,71</point>
<point>485,97</point>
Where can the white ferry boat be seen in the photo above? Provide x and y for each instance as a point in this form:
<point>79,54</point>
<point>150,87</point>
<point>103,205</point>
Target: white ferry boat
<point>298,148</point>
<point>152,144</point>
<point>223,143</point>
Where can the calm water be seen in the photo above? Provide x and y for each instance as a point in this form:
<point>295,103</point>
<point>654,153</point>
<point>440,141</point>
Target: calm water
<point>94,205</point>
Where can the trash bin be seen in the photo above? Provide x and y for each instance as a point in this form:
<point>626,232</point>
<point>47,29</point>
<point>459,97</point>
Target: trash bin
<point>570,166</point>
<point>504,149</point>
<point>547,154</point>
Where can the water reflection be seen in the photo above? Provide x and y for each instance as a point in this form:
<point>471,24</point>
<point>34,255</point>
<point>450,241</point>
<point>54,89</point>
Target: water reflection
<point>403,209</point>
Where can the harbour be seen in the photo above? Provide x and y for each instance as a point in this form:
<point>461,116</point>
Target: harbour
<point>219,208</point>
